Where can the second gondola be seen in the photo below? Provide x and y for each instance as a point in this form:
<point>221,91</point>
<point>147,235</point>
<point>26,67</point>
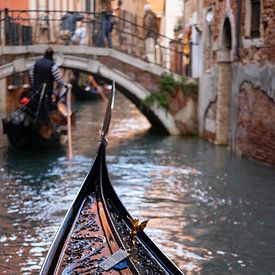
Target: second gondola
<point>34,125</point>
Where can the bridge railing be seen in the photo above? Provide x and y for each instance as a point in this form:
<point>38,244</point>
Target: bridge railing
<point>28,27</point>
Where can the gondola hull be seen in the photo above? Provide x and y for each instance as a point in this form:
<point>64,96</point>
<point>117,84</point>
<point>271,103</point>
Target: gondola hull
<point>80,93</point>
<point>98,223</point>
<point>34,136</point>
<point>97,226</point>
<point>33,126</point>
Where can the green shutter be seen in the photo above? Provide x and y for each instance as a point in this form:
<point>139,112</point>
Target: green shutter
<point>88,5</point>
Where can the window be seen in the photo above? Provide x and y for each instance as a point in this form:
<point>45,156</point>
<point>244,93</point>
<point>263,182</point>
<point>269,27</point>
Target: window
<point>88,5</point>
<point>255,18</point>
<point>227,36</point>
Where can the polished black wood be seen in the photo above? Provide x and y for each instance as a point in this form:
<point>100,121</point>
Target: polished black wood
<point>110,221</point>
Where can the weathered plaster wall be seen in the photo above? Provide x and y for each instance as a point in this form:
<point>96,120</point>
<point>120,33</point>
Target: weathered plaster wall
<point>184,108</point>
<point>207,94</point>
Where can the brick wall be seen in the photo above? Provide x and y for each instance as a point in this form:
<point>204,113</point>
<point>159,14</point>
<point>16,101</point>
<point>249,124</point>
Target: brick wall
<point>253,51</point>
<point>148,80</point>
<point>268,51</point>
<point>256,125</point>
<point>255,134</point>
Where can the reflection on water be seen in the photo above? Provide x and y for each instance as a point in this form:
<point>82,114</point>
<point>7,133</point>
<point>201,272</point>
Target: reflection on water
<point>210,212</point>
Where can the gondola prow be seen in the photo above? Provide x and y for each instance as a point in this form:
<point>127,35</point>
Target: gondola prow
<point>108,116</point>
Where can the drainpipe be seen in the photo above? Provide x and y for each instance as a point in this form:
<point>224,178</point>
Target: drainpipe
<point>238,28</point>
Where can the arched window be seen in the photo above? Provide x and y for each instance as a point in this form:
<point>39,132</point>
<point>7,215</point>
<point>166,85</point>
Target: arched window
<point>255,24</point>
<point>227,36</point>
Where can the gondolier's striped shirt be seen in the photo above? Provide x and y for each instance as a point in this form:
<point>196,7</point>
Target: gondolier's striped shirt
<point>55,73</point>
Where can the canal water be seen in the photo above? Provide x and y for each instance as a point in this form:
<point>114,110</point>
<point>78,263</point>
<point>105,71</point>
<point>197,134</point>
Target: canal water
<point>209,211</point>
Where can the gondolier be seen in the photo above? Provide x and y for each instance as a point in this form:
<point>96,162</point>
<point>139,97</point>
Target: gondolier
<point>46,71</point>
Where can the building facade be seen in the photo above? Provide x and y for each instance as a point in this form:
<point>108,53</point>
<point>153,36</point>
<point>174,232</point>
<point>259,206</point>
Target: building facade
<point>233,56</point>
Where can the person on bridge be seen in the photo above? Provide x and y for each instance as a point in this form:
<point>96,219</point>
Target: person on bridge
<point>105,29</point>
<point>150,32</point>
<point>79,35</point>
<point>68,25</point>
<point>46,71</point>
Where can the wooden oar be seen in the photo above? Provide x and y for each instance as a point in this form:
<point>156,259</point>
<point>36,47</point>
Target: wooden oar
<point>99,90</point>
<point>69,121</point>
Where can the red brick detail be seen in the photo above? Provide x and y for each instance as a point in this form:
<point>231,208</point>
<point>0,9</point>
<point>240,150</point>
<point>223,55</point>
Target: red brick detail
<point>146,79</point>
<point>263,53</point>
<point>256,125</point>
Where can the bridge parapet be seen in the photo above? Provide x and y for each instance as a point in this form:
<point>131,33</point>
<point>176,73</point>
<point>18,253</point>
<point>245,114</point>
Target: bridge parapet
<point>32,27</point>
<point>138,70</point>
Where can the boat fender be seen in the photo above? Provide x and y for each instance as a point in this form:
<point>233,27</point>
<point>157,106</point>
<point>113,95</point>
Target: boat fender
<point>24,100</point>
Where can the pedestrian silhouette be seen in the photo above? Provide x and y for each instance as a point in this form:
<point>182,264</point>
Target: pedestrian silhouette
<point>68,26</point>
<point>150,32</point>
<point>105,29</point>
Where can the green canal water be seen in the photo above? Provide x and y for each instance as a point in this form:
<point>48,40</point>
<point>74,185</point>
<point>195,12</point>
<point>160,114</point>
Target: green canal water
<point>209,211</point>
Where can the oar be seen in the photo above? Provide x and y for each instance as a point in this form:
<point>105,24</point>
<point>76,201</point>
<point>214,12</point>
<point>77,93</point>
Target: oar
<point>69,121</point>
<point>40,101</point>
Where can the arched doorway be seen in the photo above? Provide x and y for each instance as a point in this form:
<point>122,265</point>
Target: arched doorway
<point>224,85</point>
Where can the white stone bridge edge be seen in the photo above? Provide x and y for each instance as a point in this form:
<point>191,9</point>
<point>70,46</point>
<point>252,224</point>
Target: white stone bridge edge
<point>94,66</point>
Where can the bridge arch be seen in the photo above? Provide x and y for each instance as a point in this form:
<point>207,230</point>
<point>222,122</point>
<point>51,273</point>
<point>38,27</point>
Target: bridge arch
<point>159,118</point>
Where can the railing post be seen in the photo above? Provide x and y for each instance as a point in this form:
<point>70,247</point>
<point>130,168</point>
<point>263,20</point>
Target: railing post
<point>6,26</point>
<point>155,52</point>
<point>1,25</point>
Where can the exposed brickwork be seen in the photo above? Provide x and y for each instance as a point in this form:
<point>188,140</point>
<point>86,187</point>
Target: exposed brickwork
<point>255,135</point>
<point>148,80</point>
<point>256,125</point>
<point>269,30</point>
<point>260,53</point>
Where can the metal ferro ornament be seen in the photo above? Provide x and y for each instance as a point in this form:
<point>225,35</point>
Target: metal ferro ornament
<point>136,228</point>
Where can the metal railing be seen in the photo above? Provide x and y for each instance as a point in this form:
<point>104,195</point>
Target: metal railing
<point>28,27</point>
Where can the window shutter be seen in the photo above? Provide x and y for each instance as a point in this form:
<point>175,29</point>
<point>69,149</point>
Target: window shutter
<point>88,5</point>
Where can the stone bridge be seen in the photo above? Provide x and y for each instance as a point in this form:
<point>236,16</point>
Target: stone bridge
<point>134,78</point>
